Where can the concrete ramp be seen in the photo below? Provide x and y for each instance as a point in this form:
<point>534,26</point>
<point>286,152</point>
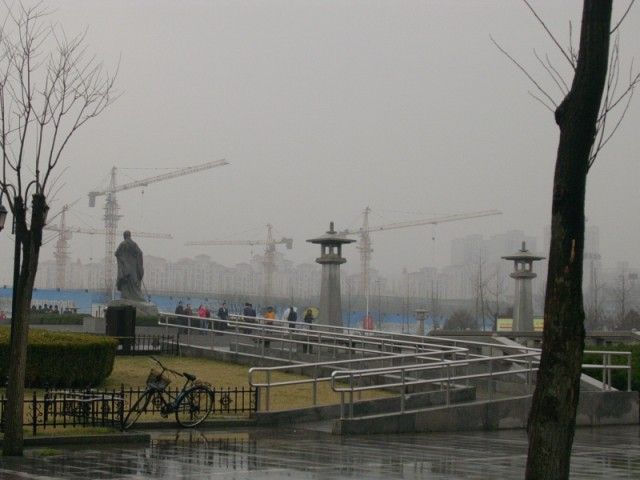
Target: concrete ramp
<point>594,409</point>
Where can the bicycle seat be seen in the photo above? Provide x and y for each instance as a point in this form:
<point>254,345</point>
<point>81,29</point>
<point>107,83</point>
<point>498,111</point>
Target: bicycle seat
<point>189,377</point>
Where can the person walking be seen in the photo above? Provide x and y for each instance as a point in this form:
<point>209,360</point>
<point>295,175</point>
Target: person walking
<point>249,315</point>
<point>307,321</point>
<point>270,316</point>
<point>179,308</point>
<point>291,315</point>
<point>223,314</point>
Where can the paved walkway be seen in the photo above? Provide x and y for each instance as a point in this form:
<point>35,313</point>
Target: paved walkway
<point>602,453</point>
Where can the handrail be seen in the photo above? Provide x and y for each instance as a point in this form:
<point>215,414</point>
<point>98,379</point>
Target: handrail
<point>351,332</point>
<point>379,346</point>
<point>446,381</point>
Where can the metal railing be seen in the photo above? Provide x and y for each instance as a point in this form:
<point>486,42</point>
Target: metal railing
<point>146,344</point>
<point>316,372</point>
<point>108,408</point>
<point>277,336</point>
<point>407,354</point>
<point>524,365</point>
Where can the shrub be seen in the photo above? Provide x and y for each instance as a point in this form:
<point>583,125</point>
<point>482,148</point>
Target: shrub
<point>618,377</point>
<point>62,359</point>
<point>147,320</point>
<point>55,318</point>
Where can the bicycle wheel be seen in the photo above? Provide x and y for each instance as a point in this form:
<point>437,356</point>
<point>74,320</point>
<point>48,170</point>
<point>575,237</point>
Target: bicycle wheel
<point>194,406</point>
<point>137,409</point>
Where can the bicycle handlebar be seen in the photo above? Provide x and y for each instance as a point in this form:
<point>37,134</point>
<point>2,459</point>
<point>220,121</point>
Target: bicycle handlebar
<point>165,368</point>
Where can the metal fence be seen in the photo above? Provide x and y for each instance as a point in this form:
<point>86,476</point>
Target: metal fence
<point>108,408</point>
<point>148,344</point>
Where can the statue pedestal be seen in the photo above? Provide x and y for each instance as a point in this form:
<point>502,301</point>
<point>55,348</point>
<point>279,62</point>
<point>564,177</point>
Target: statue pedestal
<point>143,309</point>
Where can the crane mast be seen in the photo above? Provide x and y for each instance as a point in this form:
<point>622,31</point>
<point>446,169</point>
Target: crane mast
<point>268,261</point>
<point>61,253</point>
<point>366,250</point>
<point>111,211</point>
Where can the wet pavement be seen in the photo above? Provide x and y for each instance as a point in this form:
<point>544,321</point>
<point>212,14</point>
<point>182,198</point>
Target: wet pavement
<point>606,452</point>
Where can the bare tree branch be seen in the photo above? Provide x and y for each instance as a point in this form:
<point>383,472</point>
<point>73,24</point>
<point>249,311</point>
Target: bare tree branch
<point>545,105</point>
<point>624,15</point>
<point>552,73</point>
<point>523,70</point>
<point>553,38</point>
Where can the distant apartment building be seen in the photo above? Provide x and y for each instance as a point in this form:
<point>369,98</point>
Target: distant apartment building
<point>197,275</point>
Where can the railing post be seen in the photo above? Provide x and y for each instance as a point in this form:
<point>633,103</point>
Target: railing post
<point>628,372</point>
<point>237,335</point>
<point>122,404</point>
<point>34,411</point>
<point>268,399</point>
<point>490,384</point>
<point>315,385</point>
<point>466,367</point>
<point>448,384</point>
<point>351,395</point>
<point>402,392</point>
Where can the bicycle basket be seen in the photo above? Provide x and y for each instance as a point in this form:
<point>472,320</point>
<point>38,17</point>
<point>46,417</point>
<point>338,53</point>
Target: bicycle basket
<point>157,379</point>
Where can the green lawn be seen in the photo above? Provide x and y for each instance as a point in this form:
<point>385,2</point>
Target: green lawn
<point>133,371</point>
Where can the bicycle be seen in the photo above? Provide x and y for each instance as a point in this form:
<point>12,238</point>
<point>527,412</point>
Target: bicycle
<point>191,405</point>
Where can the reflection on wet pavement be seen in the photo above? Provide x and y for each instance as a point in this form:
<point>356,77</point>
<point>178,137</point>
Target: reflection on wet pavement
<point>608,452</point>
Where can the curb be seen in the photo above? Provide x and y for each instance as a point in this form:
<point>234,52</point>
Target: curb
<point>107,438</point>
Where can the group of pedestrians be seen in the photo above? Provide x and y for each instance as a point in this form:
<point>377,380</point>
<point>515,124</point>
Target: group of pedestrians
<point>204,312</point>
<point>249,315</point>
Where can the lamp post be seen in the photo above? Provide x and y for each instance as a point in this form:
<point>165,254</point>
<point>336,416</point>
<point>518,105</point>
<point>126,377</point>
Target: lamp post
<point>16,276</point>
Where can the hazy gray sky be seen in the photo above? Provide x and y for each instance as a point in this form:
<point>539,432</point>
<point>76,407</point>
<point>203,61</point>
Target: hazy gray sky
<point>323,108</point>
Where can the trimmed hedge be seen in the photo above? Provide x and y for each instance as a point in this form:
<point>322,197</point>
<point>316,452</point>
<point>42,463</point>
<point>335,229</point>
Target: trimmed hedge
<point>146,321</point>
<point>62,359</point>
<point>55,318</point>
<point>618,377</point>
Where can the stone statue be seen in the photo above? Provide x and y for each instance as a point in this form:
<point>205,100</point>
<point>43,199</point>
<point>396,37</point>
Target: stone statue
<point>130,269</point>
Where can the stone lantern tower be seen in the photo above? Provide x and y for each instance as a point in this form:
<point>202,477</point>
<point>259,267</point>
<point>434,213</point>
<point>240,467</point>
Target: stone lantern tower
<point>330,259</point>
<point>523,274</point>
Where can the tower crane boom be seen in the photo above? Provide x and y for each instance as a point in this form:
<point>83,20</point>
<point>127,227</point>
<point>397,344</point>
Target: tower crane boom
<point>364,245</point>
<point>428,221</point>
<point>288,242</point>
<point>111,209</point>
<point>97,231</point>
<point>269,253</point>
<point>158,178</point>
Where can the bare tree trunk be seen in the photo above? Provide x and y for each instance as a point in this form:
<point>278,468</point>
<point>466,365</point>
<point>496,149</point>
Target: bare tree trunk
<point>30,240</point>
<point>551,423</point>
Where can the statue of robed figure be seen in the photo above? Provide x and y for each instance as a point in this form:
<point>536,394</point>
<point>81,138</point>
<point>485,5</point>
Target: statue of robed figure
<point>130,269</point>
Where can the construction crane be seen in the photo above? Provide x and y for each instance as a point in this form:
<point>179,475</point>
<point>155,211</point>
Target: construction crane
<point>61,253</point>
<point>364,245</point>
<point>269,253</point>
<point>111,209</point>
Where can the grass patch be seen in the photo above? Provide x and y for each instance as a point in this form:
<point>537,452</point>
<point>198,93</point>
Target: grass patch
<point>47,452</point>
<point>133,371</point>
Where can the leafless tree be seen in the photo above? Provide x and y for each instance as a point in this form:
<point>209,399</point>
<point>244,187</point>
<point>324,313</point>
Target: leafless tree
<point>594,314</point>
<point>46,95</point>
<point>495,291</point>
<point>461,320</point>
<point>621,293</point>
<point>586,117</point>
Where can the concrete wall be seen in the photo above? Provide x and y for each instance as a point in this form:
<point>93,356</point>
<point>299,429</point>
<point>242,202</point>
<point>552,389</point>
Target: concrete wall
<point>594,409</point>
<point>368,407</point>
